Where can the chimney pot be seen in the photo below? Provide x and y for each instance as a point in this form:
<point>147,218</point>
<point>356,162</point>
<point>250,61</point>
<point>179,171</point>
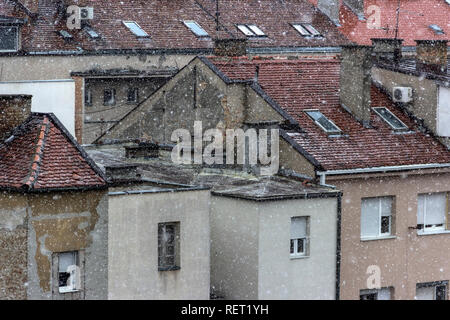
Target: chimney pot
<point>431,56</point>
<point>14,110</point>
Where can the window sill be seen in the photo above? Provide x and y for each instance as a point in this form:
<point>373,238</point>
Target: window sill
<point>169,268</point>
<point>63,291</point>
<point>298,257</point>
<point>378,238</point>
<point>430,233</point>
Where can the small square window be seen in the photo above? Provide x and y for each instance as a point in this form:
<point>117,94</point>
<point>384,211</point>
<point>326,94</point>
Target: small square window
<point>133,95</point>
<point>136,29</point>
<point>169,246</point>
<point>432,212</point>
<point>109,97</point>
<point>9,38</point>
<point>299,244</point>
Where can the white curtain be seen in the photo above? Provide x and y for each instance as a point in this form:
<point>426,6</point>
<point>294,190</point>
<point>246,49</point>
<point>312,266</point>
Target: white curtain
<point>298,227</point>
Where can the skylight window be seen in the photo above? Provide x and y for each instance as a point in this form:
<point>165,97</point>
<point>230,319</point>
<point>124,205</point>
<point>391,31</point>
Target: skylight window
<point>92,33</point>
<point>323,122</point>
<point>251,30</point>
<point>65,34</point>
<point>306,30</point>
<point>136,29</point>
<point>436,29</point>
<point>196,29</point>
<point>390,118</point>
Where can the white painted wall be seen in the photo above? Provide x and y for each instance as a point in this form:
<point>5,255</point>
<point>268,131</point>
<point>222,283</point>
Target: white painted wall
<point>443,114</point>
<point>133,246</point>
<point>56,96</point>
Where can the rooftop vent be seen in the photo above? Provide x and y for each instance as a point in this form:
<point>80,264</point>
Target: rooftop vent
<point>144,150</point>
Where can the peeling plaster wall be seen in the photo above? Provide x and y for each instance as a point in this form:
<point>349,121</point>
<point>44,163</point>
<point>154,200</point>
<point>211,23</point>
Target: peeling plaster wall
<point>34,227</point>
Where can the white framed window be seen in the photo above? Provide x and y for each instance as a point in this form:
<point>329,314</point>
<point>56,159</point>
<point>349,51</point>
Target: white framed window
<point>376,294</point>
<point>388,117</point>
<point>169,246</point>
<point>251,30</point>
<point>109,97</point>
<point>432,212</point>
<point>299,244</point>
<point>69,272</point>
<point>91,32</point>
<point>136,29</point>
<point>9,38</point>
<point>196,28</point>
<point>306,29</point>
<point>376,217</point>
<point>432,291</point>
<point>323,122</point>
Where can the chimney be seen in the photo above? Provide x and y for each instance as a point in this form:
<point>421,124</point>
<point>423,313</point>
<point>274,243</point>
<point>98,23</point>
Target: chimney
<point>330,8</point>
<point>14,110</point>
<point>431,56</point>
<point>388,48</point>
<point>357,6</point>
<point>356,81</point>
<point>230,47</point>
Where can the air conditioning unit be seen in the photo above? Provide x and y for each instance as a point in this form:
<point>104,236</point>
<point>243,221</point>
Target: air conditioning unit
<point>87,13</point>
<point>402,94</point>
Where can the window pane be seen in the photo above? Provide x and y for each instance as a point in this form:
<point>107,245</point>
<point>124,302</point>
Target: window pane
<point>425,293</point>
<point>301,30</point>
<point>298,227</point>
<point>385,225</point>
<point>196,29</point>
<point>8,38</point>
<point>245,30</point>
<point>292,247</point>
<point>370,217</point>
<point>441,293</point>
<point>421,209</point>
<point>256,30</point>
<point>326,124</point>
<point>65,260</point>
<point>135,28</point>
<point>436,207</point>
<point>300,245</point>
<point>390,118</point>
<point>311,29</point>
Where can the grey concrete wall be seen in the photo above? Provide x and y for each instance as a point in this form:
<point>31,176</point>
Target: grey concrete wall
<point>133,251</point>
<point>312,277</point>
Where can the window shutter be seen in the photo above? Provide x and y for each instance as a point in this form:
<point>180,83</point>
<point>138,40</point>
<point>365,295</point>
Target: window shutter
<point>370,217</point>
<point>425,293</point>
<point>436,208</point>
<point>420,209</point>
<point>298,227</point>
<point>386,206</point>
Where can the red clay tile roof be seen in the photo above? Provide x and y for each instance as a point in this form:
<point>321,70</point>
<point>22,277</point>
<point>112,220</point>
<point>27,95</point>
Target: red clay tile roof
<point>415,18</point>
<point>163,21</point>
<point>297,85</point>
<point>41,155</point>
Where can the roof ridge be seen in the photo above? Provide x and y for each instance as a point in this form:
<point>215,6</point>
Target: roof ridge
<point>37,155</point>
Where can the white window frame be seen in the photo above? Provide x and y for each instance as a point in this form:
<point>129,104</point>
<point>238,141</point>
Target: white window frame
<point>187,23</point>
<point>339,131</point>
<point>376,109</point>
<point>306,29</point>
<point>251,30</point>
<point>380,216</point>
<point>305,240</point>
<point>435,286</point>
<point>75,281</point>
<point>144,34</point>
<point>434,228</point>
<point>16,40</point>
<point>377,292</point>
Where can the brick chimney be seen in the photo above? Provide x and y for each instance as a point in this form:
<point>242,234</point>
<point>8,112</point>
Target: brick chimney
<point>229,47</point>
<point>330,8</point>
<point>431,56</point>
<point>14,110</point>
<point>387,48</point>
<point>356,81</point>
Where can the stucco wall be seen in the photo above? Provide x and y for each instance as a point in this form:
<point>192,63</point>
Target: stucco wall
<point>133,251</point>
<point>408,258</point>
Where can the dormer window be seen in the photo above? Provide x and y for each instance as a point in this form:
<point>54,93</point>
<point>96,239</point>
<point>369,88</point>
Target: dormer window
<point>136,29</point>
<point>323,122</point>
<point>66,35</point>
<point>196,29</point>
<point>251,30</point>
<point>9,38</point>
<point>306,30</point>
<point>437,29</point>
<point>394,122</point>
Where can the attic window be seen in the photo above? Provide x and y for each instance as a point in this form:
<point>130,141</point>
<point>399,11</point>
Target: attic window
<point>9,38</point>
<point>136,29</point>
<point>323,122</point>
<point>251,30</point>
<point>390,118</point>
<point>65,34</point>
<point>196,28</point>
<point>91,32</point>
<point>436,29</point>
<point>306,30</point>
